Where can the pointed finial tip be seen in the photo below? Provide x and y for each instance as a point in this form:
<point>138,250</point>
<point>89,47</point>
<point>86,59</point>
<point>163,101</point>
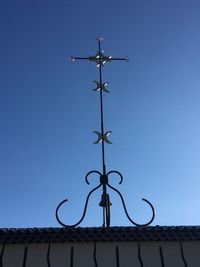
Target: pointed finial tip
<point>100,39</point>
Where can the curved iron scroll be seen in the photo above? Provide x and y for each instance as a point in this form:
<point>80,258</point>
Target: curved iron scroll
<point>126,212</point>
<point>105,201</point>
<point>84,211</point>
<point>86,177</point>
<point>124,205</point>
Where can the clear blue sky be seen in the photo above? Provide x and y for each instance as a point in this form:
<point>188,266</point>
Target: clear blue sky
<point>49,111</point>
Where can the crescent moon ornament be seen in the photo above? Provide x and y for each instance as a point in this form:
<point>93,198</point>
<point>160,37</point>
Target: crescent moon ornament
<point>101,137</point>
<point>101,87</point>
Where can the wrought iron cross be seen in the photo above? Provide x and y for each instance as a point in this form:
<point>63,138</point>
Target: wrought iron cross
<point>102,137</point>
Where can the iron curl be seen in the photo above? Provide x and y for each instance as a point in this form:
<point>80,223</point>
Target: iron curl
<point>84,211</point>
<point>122,178</point>
<point>86,177</point>
<point>126,212</point>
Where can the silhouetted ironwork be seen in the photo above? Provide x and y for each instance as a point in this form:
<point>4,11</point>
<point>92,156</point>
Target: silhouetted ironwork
<point>102,137</point>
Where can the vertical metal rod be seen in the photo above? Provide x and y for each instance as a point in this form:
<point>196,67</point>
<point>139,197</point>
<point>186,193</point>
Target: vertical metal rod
<point>105,210</point>
<point>105,224</point>
<point>101,104</point>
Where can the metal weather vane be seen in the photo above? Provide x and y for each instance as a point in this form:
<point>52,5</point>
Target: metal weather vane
<point>102,137</point>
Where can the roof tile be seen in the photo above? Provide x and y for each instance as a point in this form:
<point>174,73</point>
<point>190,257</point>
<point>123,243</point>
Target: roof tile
<point>99,234</point>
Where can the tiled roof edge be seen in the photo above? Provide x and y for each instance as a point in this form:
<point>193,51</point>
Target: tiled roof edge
<point>99,234</point>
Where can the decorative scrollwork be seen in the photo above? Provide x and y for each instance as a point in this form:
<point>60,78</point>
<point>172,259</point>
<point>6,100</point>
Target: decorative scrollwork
<point>102,137</point>
<point>121,180</point>
<point>126,212</point>
<point>105,201</point>
<point>84,211</point>
<point>88,174</point>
